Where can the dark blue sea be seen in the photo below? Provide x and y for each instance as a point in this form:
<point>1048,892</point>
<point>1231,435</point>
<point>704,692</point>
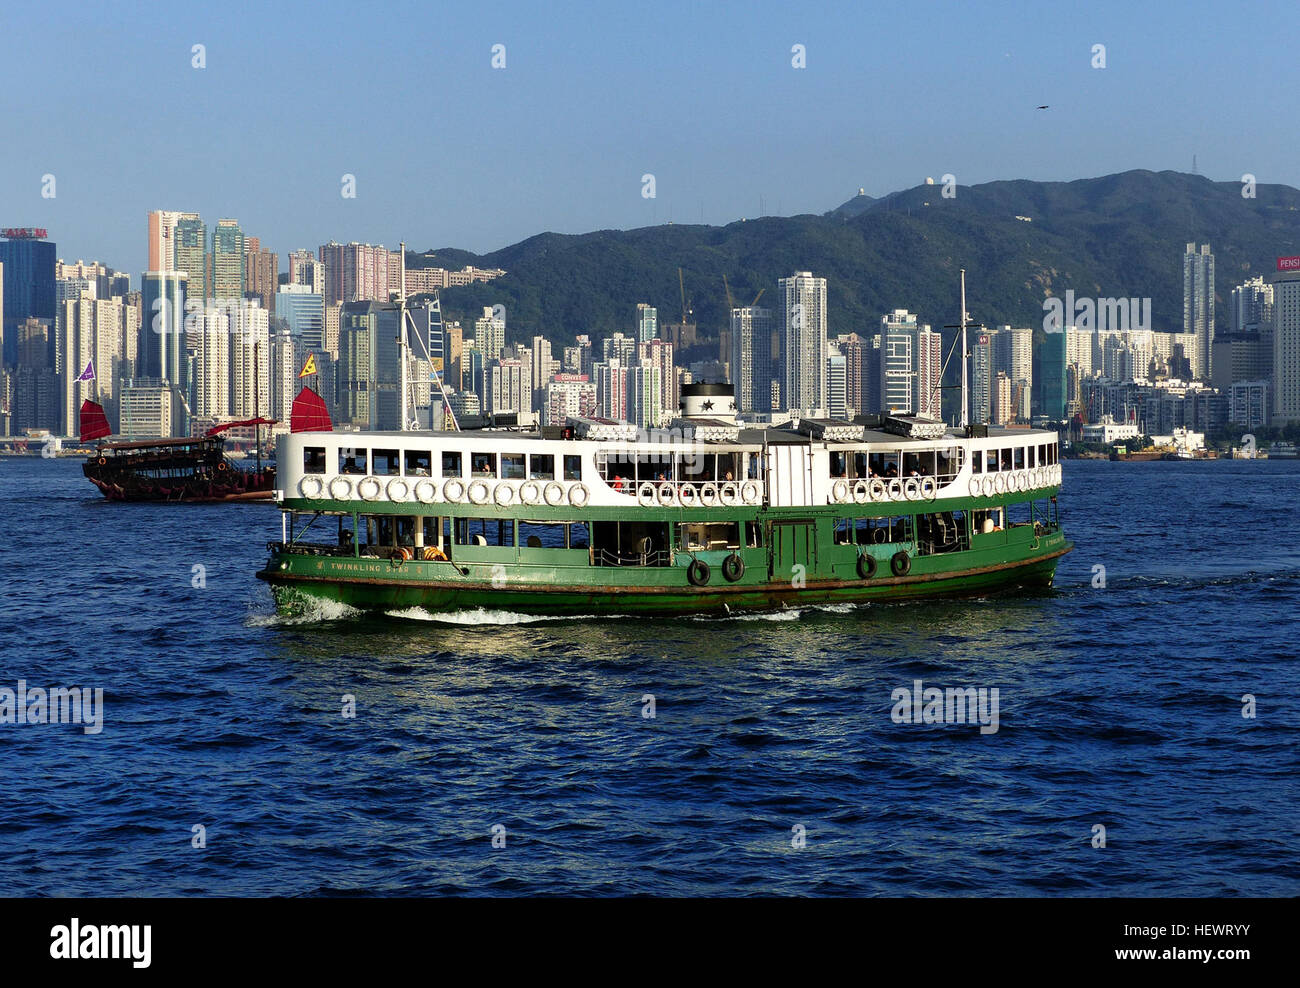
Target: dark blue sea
<point>1121,706</point>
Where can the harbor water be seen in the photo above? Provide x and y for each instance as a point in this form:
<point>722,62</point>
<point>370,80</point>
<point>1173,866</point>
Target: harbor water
<point>1154,693</point>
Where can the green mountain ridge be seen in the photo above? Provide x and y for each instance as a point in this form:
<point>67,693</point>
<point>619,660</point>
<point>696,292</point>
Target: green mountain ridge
<point>1119,235</point>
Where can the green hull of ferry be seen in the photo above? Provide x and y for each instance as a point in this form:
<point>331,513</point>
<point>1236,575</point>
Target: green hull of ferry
<point>802,557</point>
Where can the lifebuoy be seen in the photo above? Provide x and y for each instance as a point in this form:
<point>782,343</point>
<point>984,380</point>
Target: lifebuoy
<point>530,492</point>
<point>1022,481</point>
<point>861,492</point>
<point>733,567</point>
<point>645,495</point>
<point>340,488</point>
<point>223,465</point>
<point>929,488</point>
<point>900,563</point>
<point>839,491</point>
<point>453,490</point>
<point>999,483</point>
<point>687,495</point>
<point>895,489</point>
<point>749,492</point>
<point>974,487</point>
<point>866,566</point>
<point>912,489</point>
<point>478,492</point>
<point>553,494</point>
<point>433,553</point>
<point>311,487</point>
<point>730,494</point>
<point>579,495</point>
<point>398,489</point>
<point>987,486</point>
<point>369,484</point>
<point>877,488</point>
<point>426,491</point>
<point>698,572</point>
<point>709,495</point>
<point>504,494</point>
<point>102,461</point>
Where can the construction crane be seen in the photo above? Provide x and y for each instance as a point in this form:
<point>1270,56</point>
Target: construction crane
<point>731,302</point>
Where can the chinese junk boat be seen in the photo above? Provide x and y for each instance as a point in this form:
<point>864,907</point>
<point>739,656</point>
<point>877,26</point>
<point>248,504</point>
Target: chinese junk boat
<point>184,470</point>
<point>599,517</point>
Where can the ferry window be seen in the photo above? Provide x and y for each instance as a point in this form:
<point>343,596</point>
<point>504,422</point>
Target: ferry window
<point>418,462</point>
<point>699,537</point>
<point>572,467</point>
<point>485,531</point>
<point>728,466</point>
<point>352,460</point>
<point>949,462</point>
<point>859,466</point>
<point>754,471</point>
<point>543,534</point>
<point>483,464</point>
<point>451,464</point>
<point>512,466</point>
<point>1018,458</point>
<point>579,537</point>
<point>882,530</point>
<point>991,461</point>
<point>541,466</point>
<point>839,467</point>
<point>977,462</point>
<point>753,534</point>
<point>383,462</point>
<point>1006,459</point>
<point>844,531</point>
<point>313,459</point>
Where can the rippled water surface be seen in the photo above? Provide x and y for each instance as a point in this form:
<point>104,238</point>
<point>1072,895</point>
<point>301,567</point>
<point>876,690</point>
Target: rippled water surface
<point>1119,705</point>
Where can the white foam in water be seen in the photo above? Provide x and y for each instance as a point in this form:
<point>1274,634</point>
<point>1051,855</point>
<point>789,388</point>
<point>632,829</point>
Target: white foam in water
<point>311,610</point>
<point>481,615</point>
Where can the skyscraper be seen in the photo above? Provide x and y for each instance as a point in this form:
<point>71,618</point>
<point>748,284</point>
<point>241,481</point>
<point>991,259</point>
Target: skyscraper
<point>647,322</point>
<point>28,261</point>
<point>161,354</point>
<point>304,269</point>
<point>1286,347</point>
<point>837,403</point>
<point>804,305</point>
<point>355,272</point>
<point>190,244</point>
<point>898,361</point>
<point>162,240</point>
<point>263,269</point>
<point>1198,304</point>
<point>751,358</point>
<point>981,381</point>
<point>229,261</point>
<point>929,373</point>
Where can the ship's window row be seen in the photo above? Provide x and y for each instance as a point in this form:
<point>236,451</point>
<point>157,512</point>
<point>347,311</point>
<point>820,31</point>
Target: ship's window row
<point>632,469</point>
<point>419,463</point>
<point>942,464</point>
<point>1014,458</point>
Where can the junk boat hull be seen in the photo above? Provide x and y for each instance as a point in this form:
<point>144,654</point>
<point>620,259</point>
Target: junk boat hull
<point>182,470</point>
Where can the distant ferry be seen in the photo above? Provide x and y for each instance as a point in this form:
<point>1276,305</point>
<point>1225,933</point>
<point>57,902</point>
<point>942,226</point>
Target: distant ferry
<point>599,517</point>
<point>1283,451</point>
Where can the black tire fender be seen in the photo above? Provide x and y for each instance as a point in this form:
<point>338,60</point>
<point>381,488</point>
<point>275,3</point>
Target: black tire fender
<point>866,566</point>
<point>698,572</point>
<point>901,563</point>
<point>733,567</point>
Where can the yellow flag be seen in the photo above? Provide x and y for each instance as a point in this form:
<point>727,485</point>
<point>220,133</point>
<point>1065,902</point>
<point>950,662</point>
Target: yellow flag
<point>309,367</point>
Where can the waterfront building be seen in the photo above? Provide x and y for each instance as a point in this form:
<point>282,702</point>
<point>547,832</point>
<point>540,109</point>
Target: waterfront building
<point>803,300</point>
<point>1198,305</point>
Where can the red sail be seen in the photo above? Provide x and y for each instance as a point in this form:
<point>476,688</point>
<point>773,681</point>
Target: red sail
<point>94,423</point>
<point>309,413</point>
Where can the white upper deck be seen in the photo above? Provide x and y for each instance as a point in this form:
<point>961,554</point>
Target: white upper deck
<point>774,467</point>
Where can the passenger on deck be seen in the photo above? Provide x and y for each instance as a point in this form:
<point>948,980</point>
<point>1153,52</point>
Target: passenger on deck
<point>350,465</point>
<point>618,482</point>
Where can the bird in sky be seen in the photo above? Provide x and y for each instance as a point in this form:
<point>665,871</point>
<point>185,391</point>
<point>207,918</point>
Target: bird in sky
<point>1041,107</point>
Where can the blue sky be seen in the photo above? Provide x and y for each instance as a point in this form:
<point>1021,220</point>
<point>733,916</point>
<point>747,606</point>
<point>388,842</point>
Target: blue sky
<point>448,151</point>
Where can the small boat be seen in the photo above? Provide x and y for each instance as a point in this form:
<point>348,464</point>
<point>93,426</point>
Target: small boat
<point>184,470</point>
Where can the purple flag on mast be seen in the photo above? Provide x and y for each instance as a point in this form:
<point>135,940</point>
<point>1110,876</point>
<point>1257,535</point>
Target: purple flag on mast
<point>89,373</point>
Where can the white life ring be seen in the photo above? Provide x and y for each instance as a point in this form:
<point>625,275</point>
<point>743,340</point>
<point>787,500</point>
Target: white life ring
<point>877,488</point>
<point>579,495</point>
<point>478,492</point>
<point>974,487</point>
<point>929,488</point>
<point>730,494</point>
<point>1057,471</point>
<point>1022,481</point>
<point>554,494</point>
<point>894,489</point>
<point>530,492</point>
<point>369,484</point>
<point>453,490</point>
<point>504,494</point>
<point>687,496</point>
<point>912,489</point>
<point>645,494</point>
<point>311,487</point>
<point>426,491</point>
<point>749,492</point>
<point>666,495</point>
<point>987,486</point>
<point>999,483</point>
<point>861,492</point>
<point>839,491</point>
<point>341,489</point>
<point>709,495</point>
<point>398,489</point>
